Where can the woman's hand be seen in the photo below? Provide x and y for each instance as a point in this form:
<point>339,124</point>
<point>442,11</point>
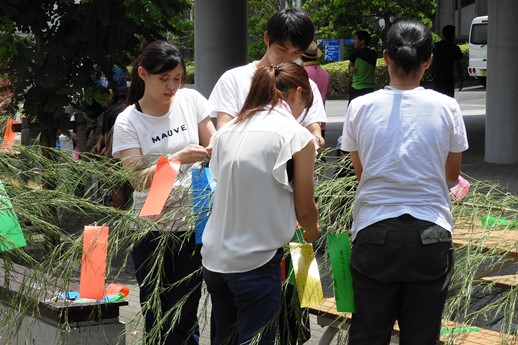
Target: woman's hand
<point>210,145</point>
<point>191,154</point>
<point>313,235</point>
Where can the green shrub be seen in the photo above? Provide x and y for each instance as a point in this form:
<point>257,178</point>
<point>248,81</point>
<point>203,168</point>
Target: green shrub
<point>189,66</point>
<point>341,78</point>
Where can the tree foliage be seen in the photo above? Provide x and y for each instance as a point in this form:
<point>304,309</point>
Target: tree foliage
<point>259,11</point>
<point>338,18</point>
<point>342,18</point>
<point>48,48</point>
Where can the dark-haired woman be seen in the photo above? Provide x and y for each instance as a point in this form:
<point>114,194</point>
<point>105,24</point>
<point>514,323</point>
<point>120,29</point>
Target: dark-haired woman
<point>263,161</point>
<point>406,145</point>
<point>163,119</point>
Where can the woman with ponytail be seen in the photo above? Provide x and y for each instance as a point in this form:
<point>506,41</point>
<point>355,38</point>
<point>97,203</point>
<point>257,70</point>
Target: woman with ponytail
<point>406,146</point>
<point>163,119</point>
<point>263,162</point>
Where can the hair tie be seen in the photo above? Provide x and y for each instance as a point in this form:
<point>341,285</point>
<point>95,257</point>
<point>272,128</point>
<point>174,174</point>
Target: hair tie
<point>275,69</point>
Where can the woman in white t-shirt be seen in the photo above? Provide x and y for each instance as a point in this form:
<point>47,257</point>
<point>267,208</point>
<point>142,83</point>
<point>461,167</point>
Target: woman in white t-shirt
<point>163,119</point>
<point>406,145</point>
<point>263,162</point>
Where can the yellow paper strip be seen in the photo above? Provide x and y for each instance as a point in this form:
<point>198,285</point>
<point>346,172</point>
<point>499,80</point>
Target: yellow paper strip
<point>307,277</point>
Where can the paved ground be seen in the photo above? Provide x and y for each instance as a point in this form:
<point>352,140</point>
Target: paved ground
<point>472,101</point>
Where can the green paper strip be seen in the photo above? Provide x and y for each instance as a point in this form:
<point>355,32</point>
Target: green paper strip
<point>458,330</point>
<point>499,222</point>
<point>11,235</point>
<point>339,247</point>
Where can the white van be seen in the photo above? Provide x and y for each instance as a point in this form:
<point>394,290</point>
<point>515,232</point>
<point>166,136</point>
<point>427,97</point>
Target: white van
<point>478,49</point>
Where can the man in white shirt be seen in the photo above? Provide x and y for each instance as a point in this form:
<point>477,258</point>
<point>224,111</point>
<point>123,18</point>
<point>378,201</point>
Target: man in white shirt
<point>288,33</point>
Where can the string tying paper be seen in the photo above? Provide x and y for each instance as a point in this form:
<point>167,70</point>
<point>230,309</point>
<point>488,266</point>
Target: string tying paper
<point>163,181</point>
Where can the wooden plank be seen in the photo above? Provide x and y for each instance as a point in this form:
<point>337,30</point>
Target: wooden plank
<point>488,239</point>
<point>328,309</point>
<point>506,281</point>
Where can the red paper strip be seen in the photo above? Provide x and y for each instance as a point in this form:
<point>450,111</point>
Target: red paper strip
<point>162,185</point>
<point>93,265</point>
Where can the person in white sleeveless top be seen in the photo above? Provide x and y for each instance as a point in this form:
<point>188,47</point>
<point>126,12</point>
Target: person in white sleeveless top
<point>263,162</point>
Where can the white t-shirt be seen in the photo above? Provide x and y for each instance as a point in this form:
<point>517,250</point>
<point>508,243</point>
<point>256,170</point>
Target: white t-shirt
<point>253,213</point>
<point>403,139</point>
<point>230,92</point>
<point>159,136</point>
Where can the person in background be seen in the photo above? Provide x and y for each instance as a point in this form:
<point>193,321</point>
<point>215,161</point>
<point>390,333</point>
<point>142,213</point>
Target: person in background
<point>288,33</point>
<point>362,65</point>
<point>446,56</point>
<point>163,119</point>
<point>266,155</point>
<point>316,73</point>
<point>402,254</point>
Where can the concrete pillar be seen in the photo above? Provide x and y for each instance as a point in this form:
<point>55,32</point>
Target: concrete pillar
<point>501,144</point>
<point>481,8</point>
<point>445,14</point>
<point>220,40</point>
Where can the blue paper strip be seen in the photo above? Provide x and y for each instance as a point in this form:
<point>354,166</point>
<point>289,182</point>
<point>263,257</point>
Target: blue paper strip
<point>203,186</point>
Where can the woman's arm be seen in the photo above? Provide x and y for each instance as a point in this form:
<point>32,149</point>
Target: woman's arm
<point>206,130</point>
<point>357,164</point>
<point>453,165</point>
<point>132,158</point>
<point>303,192</point>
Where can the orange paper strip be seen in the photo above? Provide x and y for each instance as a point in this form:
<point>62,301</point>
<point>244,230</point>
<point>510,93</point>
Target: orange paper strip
<point>9,135</point>
<point>115,289</point>
<point>93,265</point>
<point>162,185</point>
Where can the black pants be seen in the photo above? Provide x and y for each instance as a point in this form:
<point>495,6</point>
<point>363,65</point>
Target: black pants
<point>401,270</point>
<point>178,293</point>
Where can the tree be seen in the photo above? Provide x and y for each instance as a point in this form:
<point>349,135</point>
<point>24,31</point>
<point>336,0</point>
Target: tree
<point>259,12</point>
<point>49,48</point>
<point>342,18</point>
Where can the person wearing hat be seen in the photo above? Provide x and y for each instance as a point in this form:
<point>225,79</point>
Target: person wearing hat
<point>316,73</point>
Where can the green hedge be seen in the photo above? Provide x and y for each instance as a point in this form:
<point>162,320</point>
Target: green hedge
<point>341,78</point>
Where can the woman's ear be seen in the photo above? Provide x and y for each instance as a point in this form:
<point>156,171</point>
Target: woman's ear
<point>141,72</point>
<point>386,57</point>
<point>296,94</point>
<point>266,39</point>
<point>428,62</point>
